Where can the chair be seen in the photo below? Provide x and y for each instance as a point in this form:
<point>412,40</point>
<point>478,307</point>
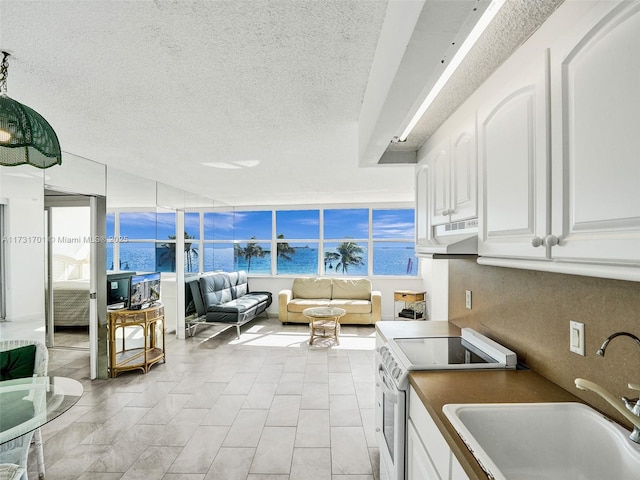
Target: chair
<point>18,449</point>
<point>10,471</point>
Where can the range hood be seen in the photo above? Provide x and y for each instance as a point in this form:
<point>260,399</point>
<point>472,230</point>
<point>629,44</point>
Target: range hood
<point>452,240</point>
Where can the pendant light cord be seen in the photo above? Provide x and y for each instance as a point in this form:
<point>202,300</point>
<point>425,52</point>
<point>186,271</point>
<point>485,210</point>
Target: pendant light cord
<point>4,73</point>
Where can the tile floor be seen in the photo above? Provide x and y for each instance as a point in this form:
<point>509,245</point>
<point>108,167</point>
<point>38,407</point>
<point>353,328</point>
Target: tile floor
<point>266,406</point>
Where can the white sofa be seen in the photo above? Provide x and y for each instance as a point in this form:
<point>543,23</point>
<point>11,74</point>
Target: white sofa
<point>363,305</point>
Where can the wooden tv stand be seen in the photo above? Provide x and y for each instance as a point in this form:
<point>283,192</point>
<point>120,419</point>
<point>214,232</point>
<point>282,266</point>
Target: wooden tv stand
<point>147,351</point>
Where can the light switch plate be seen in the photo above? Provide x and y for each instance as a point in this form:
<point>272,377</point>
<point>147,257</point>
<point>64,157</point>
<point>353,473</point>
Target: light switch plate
<point>576,337</point>
<point>467,299</point>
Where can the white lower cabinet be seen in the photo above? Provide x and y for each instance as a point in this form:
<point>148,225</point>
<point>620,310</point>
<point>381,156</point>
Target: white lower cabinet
<point>419,466</point>
<point>428,454</point>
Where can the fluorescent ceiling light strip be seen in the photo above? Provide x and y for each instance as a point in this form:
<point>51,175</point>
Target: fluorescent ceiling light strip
<point>455,62</point>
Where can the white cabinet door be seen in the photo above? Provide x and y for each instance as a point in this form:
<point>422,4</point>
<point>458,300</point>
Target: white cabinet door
<point>596,99</point>
<point>439,165</point>
<point>464,174</point>
<point>457,472</point>
<point>419,466</point>
<point>514,165</point>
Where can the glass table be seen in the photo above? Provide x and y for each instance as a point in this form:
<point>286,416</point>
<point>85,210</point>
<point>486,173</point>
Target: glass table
<point>324,322</point>
<point>27,404</point>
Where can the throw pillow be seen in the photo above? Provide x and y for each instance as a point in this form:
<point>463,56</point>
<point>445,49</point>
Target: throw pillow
<point>18,362</point>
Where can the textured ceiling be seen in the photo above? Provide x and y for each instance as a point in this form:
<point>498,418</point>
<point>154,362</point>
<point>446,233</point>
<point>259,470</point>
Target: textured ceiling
<point>253,102</point>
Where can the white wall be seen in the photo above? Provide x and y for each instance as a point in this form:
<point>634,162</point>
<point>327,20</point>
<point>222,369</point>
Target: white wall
<point>23,188</point>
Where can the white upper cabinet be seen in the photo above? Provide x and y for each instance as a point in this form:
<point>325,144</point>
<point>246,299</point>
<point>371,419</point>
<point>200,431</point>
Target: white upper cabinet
<point>454,179</point>
<point>464,174</point>
<point>595,79</point>
<point>514,163</point>
<point>439,164</point>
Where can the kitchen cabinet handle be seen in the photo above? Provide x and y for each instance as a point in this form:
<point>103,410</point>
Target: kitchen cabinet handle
<point>550,241</point>
<point>536,242</point>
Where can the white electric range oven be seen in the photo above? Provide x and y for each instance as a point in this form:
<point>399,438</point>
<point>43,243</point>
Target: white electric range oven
<point>400,356</point>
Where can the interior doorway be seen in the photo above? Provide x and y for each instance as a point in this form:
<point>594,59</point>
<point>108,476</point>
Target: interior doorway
<point>73,273</point>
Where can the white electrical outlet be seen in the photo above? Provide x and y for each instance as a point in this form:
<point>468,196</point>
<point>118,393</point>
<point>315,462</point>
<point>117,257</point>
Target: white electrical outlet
<point>467,299</point>
<point>576,337</point>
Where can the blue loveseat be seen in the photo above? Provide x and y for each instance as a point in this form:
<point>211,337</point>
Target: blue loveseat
<point>222,298</point>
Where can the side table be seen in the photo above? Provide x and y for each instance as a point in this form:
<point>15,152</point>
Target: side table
<point>324,322</point>
<point>150,322</point>
<point>413,305</point>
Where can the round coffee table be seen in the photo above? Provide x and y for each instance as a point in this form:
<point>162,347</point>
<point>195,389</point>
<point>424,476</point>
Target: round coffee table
<point>324,322</point>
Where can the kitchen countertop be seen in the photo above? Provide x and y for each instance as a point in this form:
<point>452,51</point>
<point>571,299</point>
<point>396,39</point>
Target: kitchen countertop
<point>438,388</point>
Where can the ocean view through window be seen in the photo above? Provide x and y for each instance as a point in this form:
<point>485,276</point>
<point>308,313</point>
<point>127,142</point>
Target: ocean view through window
<point>332,241</point>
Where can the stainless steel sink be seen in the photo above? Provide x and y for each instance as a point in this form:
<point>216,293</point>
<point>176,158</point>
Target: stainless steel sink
<point>545,441</point>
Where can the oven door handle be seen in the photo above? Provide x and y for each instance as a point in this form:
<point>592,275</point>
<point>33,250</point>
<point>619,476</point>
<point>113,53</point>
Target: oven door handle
<point>389,390</point>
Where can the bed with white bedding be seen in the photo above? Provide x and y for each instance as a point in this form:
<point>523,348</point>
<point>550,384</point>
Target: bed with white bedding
<point>71,303</point>
<point>70,292</point>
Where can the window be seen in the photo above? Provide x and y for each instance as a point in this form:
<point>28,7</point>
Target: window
<point>297,235</point>
<point>346,258</point>
<point>393,246</point>
<point>239,240</point>
<point>111,232</point>
<point>334,241</point>
<point>192,241</point>
<point>151,241</point>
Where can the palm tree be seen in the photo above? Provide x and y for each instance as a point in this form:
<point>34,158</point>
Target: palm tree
<point>350,255</point>
<point>284,249</point>
<point>170,254</point>
<point>330,257</point>
<point>251,250</point>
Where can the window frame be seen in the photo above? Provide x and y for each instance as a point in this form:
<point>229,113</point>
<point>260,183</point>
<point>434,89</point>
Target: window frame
<point>367,242</point>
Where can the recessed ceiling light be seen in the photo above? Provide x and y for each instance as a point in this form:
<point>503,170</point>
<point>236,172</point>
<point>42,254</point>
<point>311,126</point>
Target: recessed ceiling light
<point>233,165</point>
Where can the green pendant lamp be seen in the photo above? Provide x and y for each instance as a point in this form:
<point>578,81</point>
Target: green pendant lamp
<point>25,137</point>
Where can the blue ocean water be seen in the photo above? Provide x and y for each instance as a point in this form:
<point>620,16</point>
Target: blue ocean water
<point>388,259</point>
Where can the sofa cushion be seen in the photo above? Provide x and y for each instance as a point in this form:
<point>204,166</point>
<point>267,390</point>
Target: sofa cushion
<point>239,283</point>
<point>311,287</point>
<point>216,289</point>
<point>352,288</point>
<point>352,306</point>
<point>297,305</point>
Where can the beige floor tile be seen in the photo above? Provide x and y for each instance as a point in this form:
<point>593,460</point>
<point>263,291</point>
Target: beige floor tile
<point>246,429</point>
<point>311,464</point>
<point>260,396</point>
<point>344,411</point>
<point>241,383</point>
<point>224,409</point>
<point>315,396</point>
<point>349,452</point>
<point>341,383</point>
<point>231,464</point>
<point>199,452</point>
<point>316,373</point>
<point>153,463</point>
<point>284,411</point>
<point>275,450</point>
<point>313,429</point>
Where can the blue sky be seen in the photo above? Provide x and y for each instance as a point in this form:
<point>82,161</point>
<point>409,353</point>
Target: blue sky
<point>294,224</point>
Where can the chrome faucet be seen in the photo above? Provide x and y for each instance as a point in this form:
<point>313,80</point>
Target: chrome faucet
<point>611,337</point>
<point>632,410</point>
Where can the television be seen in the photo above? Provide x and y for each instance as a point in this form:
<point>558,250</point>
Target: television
<point>144,290</point>
<point>118,286</point>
